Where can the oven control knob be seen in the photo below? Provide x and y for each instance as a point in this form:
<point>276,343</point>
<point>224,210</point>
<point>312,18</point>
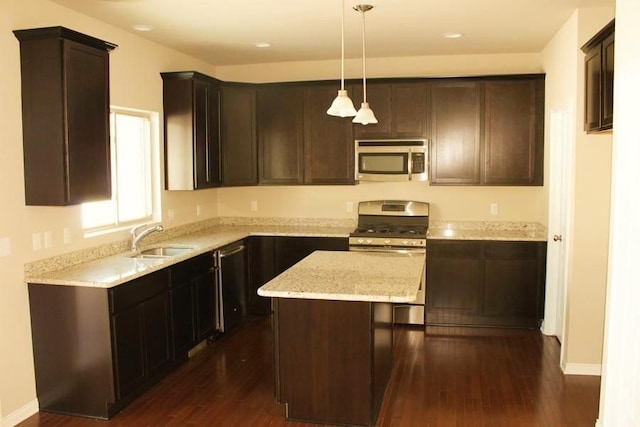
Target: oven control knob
<point>360,241</point>
<point>387,241</point>
<point>415,243</point>
<point>405,242</point>
<point>369,241</point>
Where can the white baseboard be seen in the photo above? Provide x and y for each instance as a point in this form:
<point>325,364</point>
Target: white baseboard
<point>582,369</point>
<point>599,423</point>
<point>16,417</point>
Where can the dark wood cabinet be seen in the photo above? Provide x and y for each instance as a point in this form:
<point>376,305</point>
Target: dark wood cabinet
<point>140,317</point>
<point>455,112</point>
<point>238,135</point>
<point>191,130</point>
<point>514,131</point>
<point>329,152</point>
<point>193,303</point>
<point>290,250</point>
<point>487,131</point>
<point>97,349</point>
<point>485,283</point>
<point>598,68</point>
<point>65,116</point>
<point>400,107</point>
<point>262,268</point>
<point>280,134</point>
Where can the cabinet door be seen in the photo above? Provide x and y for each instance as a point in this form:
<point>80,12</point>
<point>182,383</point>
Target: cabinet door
<point>183,318</point>
<point>379,97</point>
<point>261,252</point>
<point>455,132</point>
<point>514,283</point>
<point>328,141</point>
<point>207,142</point>
<point>280,134</point>
<point>409,110</point>
<point>607,82</point>
<point>206,304</point>
<point>238,136</point>
<point>157,334</point>
<point>514,132</point>
<point>128,340</point>
<point>593,89</point>
<point>454,282</point>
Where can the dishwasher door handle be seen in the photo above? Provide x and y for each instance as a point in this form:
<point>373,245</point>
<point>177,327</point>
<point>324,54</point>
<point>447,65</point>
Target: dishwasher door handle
<point>233,252</point>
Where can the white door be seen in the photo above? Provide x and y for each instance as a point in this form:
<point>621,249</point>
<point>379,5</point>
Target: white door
<point>560,189</point>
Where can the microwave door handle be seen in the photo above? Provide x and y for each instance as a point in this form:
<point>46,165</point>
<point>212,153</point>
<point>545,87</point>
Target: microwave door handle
<point>410,163</point>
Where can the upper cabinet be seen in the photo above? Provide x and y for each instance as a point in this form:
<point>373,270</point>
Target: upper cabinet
<point>487,131</point>
<point>239,148</point>
<point>65,116</point>
<point>191,131</point>
<point>598,69</point>
<point>329,153</point>
<point>400,107</point>
<point>280,134</point>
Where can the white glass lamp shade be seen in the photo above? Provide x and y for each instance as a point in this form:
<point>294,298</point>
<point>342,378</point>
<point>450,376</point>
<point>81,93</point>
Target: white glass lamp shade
<point>342,106</point>
<point>365,115</point>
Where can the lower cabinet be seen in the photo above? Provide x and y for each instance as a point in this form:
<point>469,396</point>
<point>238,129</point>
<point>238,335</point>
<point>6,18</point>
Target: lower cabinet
<point>193,303</point>
<point>485,283</point>
<point>96,349</point>
<point>270,256</point>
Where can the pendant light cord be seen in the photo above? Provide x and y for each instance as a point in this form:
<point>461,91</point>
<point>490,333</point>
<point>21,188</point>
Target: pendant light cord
<point>342,61</point>
<point>364,69</point>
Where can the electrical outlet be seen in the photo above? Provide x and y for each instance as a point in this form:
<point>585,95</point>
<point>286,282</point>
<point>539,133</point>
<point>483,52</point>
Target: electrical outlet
<point>36,241</point>
<point>254,205</point>
<point>66,235</point>
<point>5,246</point>
<point>198,210</point>
<point>494,209</point>
<point>171,214</point>
<point>48,239</point>
<point>349,207</point>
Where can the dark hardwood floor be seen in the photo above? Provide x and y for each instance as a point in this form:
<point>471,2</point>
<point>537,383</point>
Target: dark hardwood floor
<point>452,377</point>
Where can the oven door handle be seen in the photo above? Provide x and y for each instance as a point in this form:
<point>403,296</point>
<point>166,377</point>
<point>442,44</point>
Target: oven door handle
<point>389,250</point>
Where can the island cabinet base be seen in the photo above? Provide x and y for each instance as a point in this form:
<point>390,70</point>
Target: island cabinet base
<point>333,359</point>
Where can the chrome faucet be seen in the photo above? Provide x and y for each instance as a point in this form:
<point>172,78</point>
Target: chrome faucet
<point>135,237</point>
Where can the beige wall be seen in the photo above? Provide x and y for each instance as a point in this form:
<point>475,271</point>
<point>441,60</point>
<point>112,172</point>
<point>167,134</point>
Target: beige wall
<point>591,180</point>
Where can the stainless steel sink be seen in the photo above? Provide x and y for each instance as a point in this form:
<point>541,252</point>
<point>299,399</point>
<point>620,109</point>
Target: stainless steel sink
<point>162,252</point>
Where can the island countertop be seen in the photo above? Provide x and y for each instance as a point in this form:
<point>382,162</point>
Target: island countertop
<point>351,276</point>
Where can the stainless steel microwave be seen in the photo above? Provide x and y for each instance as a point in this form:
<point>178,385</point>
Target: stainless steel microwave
<point>391,160</point>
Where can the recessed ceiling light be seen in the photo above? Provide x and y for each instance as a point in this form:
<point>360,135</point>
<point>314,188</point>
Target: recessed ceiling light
<point>143,27</point>
<point>262,44</point>
<point>452,35</point>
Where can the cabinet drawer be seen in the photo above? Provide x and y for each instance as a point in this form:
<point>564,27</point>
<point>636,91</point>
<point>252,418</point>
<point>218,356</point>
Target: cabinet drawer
<point>453,249</point>
<point>187,270</point>
<point>134,292</point>
<point>511,250</point>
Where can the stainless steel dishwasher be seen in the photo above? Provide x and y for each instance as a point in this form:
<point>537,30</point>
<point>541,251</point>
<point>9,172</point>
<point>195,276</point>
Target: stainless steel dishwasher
<point>230,285</point>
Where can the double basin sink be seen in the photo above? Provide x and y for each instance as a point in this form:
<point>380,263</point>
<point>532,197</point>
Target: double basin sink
<point>161,252</point>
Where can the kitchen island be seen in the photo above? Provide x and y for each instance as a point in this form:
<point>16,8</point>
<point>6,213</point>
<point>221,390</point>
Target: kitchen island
<point>333,335</point>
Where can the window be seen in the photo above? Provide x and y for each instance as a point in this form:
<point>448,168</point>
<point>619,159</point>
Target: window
<point>132,200</point>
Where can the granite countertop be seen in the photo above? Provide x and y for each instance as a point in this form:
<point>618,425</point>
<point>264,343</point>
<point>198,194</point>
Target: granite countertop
<point>105,268</point>
<point>113,270</point>
<point>350,276</point>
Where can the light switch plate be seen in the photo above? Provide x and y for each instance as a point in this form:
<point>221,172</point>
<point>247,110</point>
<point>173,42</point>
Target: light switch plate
<point>37,241</point>
<point>494,209</point>
<point>349,207</point>
<point>254,205</point>
<point>5,246</point>
<point>48,239</point>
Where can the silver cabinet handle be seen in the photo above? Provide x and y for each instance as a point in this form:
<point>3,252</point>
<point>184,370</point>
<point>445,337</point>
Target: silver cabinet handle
<point>235,251</point>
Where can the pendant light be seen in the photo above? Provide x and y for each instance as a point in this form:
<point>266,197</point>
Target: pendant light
<point>342,106</point>
<point>365,114</point>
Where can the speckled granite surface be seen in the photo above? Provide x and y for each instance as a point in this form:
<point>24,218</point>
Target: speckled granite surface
<point>487,230</point>
<point>109,265</point>
<point>350,276</point>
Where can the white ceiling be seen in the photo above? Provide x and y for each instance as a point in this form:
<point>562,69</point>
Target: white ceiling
<point>223,32</point>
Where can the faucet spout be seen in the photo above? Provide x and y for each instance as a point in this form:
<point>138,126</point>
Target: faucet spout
<point>136,238</point>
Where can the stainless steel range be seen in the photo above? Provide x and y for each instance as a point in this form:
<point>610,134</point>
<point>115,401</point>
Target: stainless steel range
<point>398,226</point>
